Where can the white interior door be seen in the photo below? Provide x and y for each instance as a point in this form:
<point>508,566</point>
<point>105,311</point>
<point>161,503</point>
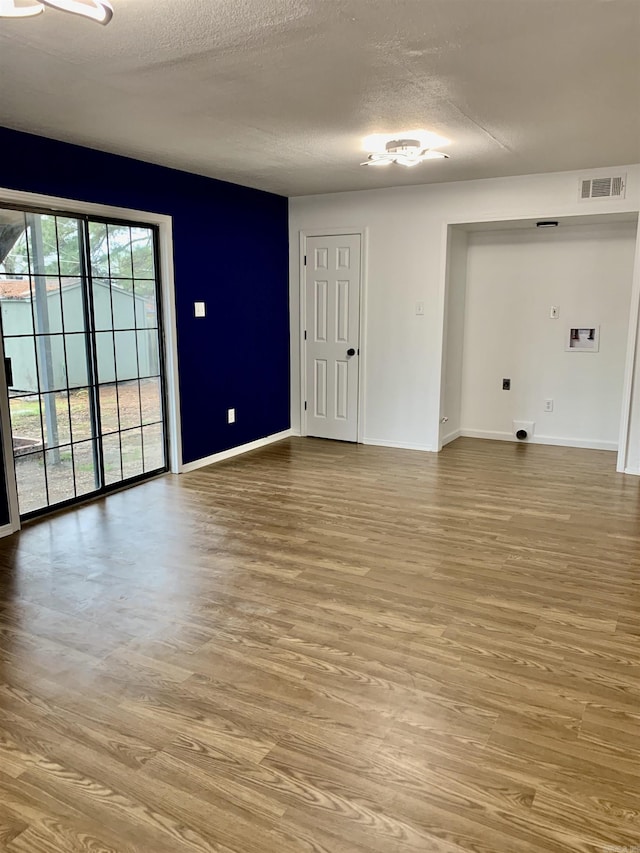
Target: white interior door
<point>332,292</point>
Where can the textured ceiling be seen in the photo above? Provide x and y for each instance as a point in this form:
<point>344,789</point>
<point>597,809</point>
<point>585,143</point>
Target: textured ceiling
<point>278,94</point>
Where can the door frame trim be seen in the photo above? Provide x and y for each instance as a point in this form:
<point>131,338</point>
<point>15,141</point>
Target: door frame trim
<point>68,206</point>
<point>630,363</point>
<point>304,235</point>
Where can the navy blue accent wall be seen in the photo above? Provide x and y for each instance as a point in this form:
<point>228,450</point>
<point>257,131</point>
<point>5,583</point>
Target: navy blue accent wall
<point>230,250</point>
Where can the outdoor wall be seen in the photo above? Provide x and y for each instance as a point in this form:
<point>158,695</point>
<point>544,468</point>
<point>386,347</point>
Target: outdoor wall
<point>72,369</point>
<point>406,263</point>
<point>238,356</point>
<point>513,277</point>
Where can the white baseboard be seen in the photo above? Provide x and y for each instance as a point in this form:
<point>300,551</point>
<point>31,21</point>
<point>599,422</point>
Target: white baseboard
<point>236,451</point>
<point>7,530</point>
<point>401,445</point>
<point>447,439</point>
<point>487,433</point>
<point>587,444</point>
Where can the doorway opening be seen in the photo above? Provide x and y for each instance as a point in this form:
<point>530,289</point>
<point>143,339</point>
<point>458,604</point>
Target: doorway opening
<point>83,345</point>
<point>511,363</point>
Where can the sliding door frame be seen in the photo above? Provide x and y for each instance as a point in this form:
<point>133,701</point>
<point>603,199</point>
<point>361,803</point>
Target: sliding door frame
<point>167,310</point>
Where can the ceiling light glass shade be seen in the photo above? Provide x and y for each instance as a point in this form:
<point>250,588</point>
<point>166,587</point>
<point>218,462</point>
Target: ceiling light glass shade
<point>433,155</point>
<point>404,152</point>
<point>378,160</point>
<point>8,9</point>
<point>97,10</point>
<point>377,142</point>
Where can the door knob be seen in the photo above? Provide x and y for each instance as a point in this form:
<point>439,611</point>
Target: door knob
<point>351,351</point>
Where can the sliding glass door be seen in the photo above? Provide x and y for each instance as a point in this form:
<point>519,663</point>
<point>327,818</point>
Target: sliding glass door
<point>124,308</point>
<point>82,337</point>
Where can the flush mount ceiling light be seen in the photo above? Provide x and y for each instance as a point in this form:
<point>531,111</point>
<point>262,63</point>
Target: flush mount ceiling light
<point>405,152</point>
<point>407,149</point>
<point>96,10</point>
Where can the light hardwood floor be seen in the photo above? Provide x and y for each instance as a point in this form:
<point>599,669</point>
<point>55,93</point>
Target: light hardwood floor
<point>326,647</point>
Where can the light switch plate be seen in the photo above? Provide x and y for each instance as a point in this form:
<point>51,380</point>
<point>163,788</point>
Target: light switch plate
<point>200,309</point>
<point>420,309</point>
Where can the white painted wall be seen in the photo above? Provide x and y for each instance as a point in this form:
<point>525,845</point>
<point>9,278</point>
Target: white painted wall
<point>513,277</point>
<point>454,327</point>
<point>406,263</point>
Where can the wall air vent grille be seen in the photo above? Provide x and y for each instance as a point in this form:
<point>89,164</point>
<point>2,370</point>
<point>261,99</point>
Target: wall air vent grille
<point>613,186</point>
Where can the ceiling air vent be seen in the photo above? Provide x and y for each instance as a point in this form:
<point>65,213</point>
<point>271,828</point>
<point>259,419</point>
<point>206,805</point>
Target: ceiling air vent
<point>613,186</point>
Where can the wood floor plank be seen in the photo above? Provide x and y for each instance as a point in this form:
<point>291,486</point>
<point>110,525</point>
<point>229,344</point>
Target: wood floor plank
<point>329,648</point>
<point>52,836</point>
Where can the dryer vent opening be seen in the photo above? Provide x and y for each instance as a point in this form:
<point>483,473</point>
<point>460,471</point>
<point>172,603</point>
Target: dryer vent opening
<point>523,430</point>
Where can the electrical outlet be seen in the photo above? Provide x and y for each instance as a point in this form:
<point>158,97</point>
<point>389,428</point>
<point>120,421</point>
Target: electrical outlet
<point>506,385</point>
<point>231,416</point>
<point>548,405</point>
